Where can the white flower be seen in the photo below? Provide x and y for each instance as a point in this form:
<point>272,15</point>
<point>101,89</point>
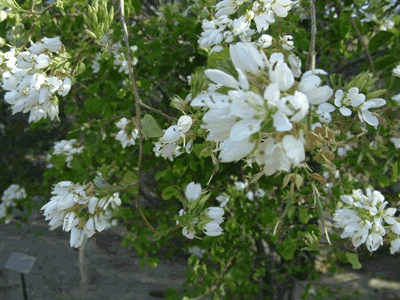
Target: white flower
<point>288,43</point>
<point>353,98</point>
<point>374,240</point>
<point>215,213</point>
<point>188,233</point>
<point>226,7</point>
<point>395,246</point>
<point>122,123</point>
<point>310,86</point>
<point>42,61</point>
<point>52,44</point>
<point>223,199</point>
<point>324,111</point>
<point>240,185</point>
<point>396,142</point>
<point>294,149</point>
<point>396,71</point>
<point>89,228</point>
<point>65,87</point>
<point>100,222</point>
<point>365,213</point>
<point>246,57</point>
<point>172,134</point>
<point>365,115</point>
<point>260,193</point>
<point>281,7</point>
<point>193,191</point>
<point>280,73</point>
<point>396,98</point>
<point>265,41</point>
<point>235,150</point>
<point>263,20</point>
<point>212,229</point>
<point>240,25</point>
<point>295,65</point>
<point>76,237</point>
<point>250,195</point>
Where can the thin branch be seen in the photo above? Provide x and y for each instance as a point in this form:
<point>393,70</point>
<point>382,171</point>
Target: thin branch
<point>310,64</point>
<point>364,45</point>
<point>311,52</point>
<point>82,270</point>
<point>362,58</point>
<point>36,20</point>
<point>78,59</point>
<point>220,276</point>
<point>359,35</point>
<point>156,111</point>
<point>137,109</point>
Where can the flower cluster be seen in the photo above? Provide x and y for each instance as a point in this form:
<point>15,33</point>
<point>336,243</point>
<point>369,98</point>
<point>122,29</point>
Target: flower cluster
<point>77,209</point>
<point>236,119</point>
<point>227,30</point>
<point>365,220</point>
<point>13,192</point>
<point>30,80</point>
<point>67,148</point>
<point>168,145</point>
<point>209,220</point>
<point>356,100</point>
<point>126,135</point>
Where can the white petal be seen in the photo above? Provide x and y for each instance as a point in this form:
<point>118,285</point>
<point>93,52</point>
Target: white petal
<point>338,98</point>
<point>221,77</point>
<point>370,118</point>
<point>345,111</point>
<point>281,122</point>
<point>244,129</point>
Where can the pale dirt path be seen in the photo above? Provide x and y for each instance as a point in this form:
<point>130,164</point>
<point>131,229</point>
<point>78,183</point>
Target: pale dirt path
<point>114,271</point>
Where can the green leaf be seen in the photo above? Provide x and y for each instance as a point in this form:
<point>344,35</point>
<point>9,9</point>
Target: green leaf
<point>150,127</point>
<point>344,26</point>
<point>137,5</point>
<point>383,181</point>
<point>80,68</point>
<point>91,34</point>
<point>380,39</point>
<point>353,259</point>
<point>169,192</point>
<point>395,171</point>
<point>289,247</point>
<point>93,105</point>
<point>129,178</point>
<point>201,150</point>
<point>385,62</point>
<point>303,214</point>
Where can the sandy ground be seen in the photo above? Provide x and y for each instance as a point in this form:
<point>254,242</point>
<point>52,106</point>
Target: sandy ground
<point>114,272</point>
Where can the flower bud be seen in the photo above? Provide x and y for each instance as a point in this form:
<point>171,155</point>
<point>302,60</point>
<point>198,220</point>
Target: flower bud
<point>184,123</point>
<point>215,212</point>
<point>193,191</point>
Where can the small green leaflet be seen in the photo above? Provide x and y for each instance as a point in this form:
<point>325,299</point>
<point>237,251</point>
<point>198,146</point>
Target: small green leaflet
<point>150,127</point>
<point>353,259</point>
